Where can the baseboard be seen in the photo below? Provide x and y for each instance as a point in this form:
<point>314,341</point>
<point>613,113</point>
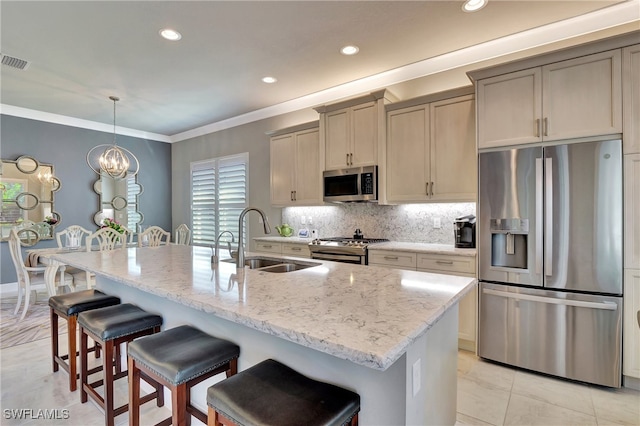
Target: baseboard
<point>631,382</point>
<point>9,289</point>
<point>467,345</point>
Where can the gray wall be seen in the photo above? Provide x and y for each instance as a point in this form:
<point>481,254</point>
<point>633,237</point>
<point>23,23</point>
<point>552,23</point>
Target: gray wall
<point>66,147</point>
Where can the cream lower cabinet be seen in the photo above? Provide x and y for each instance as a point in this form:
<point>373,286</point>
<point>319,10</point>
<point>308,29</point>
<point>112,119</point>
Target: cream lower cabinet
<point>286,249</point>
<point>468,306</point>
<point>575,98</point>
<point>431,154</point>
<point>439,264</point>
<point>393,259</point>
<point>296,168</point>
<point>631,327</point>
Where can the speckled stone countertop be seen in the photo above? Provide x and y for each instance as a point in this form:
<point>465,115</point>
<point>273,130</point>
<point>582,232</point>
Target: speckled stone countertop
<point>364,314</point>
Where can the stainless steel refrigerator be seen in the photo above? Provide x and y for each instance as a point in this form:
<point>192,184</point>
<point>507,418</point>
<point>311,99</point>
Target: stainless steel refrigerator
<point>550,259</point>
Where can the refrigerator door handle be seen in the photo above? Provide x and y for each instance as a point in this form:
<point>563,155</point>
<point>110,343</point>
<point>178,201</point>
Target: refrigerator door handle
<point>608,306</point>
<point>538,234</point>
<point>548,217</point>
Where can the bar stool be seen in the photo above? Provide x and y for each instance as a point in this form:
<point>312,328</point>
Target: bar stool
<point>178,358</point>
<point>270,393</point>
<point>68,306</point>
<point>110,327</point>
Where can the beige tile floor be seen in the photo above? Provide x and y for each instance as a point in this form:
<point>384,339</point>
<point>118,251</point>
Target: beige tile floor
<point>488,394</point>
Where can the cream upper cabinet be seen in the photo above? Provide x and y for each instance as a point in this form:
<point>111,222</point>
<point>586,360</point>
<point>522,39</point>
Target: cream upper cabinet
<point>296,168</point>
<point>574,98</point>
<point>631,98</point>
<point>351,137</point>
<point>453,150</point>
<point>509,109</point>
<point>428,146</point>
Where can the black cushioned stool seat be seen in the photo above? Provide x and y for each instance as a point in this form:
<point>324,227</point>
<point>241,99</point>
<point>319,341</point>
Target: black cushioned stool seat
<point>68,306</point>
<point>178,358</point>
<point>270,393</point>
<point>110,327</point>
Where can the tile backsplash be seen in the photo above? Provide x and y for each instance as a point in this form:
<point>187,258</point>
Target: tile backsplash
<point>408,222</point>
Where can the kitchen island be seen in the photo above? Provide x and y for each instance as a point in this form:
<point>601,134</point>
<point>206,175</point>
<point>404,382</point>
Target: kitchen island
<point>389,335</point>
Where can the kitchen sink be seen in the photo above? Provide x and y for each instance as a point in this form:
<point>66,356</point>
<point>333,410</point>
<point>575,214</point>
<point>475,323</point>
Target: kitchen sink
<point>270,264</point>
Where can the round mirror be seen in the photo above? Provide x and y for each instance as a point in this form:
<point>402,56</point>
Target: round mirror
<point>27,201</point>
<point>28,237</point>
<point>119,202</point>
<point>27,164</point>
<point>55,184</point>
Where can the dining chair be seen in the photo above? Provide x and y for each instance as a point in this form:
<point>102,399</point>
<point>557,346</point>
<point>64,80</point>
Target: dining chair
<point>107,239</point>
<point>72,237</point>
<point>153,237</point>
<point>72,234</point>
<point>183,235</point>
<point>128,233</point>
<point>31,278</point>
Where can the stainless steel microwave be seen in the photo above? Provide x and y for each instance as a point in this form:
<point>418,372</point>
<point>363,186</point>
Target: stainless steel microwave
<point>356,184</point>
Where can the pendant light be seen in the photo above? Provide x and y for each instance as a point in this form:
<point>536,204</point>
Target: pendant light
<point>115,161</point>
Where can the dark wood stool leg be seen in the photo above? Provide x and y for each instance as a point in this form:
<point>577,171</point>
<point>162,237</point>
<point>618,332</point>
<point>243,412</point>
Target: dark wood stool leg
<point>134,393</point>
<point>354,420</point>
<point>54,338</point>
<point>179,405</point>
<point>109,413</point>
<point>84,369</point>
<point>72,334</point>
<point>233,368</point>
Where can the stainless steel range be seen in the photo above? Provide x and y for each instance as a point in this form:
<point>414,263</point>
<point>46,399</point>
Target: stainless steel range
<point>343,249</point>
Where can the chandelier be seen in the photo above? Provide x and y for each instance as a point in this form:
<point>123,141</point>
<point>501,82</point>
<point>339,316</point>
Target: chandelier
<point>115,161</point>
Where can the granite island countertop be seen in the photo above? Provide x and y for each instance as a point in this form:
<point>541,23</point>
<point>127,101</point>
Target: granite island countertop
<point>365,314</point>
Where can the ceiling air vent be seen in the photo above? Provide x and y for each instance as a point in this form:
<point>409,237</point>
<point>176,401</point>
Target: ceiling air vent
<point>12,62</point>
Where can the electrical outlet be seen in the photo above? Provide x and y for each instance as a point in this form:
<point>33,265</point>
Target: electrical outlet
<point>416,377</point>
<point>303,220</point>
<point>310,220</point>
<point>437,223</point>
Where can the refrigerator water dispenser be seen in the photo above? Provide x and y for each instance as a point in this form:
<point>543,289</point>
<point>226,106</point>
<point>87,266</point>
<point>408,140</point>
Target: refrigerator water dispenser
<point>509,243</point>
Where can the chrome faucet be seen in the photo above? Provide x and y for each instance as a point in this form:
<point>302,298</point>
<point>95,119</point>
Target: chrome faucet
<point>267,230</point>
<point>216,249</point>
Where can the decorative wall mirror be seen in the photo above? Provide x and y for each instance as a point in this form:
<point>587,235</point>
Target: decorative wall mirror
<point>27,190</point>
<point>118,200</point>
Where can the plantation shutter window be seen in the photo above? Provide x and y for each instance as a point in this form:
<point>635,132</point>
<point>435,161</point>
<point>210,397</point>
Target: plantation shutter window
<point>218,196</point>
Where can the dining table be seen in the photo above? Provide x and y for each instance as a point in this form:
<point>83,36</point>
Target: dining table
<point>42,257</point>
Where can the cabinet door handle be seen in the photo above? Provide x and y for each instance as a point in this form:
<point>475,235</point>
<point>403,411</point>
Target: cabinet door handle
<point>546,126</point>
<point>267,246</point>
<point>444,262</point>
<point>391,258</point>
<point>291,196</point>
<point>295,195</point>
<point>296,249</point>
<point>432,189</point>
<point>351,159</point>
<point>537,128</point>
<point>347,159</point>
<point>426,186</point>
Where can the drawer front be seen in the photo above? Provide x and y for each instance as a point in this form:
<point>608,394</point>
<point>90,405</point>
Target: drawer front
<point>299,250</point>
<point>394,259</point>
<point>447,264</point>
<point>269,247</point>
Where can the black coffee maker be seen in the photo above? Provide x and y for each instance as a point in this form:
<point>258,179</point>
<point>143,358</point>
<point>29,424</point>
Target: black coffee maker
<point>464,228</point>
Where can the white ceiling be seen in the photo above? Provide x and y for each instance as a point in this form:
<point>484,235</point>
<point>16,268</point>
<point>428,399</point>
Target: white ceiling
<point>80,53</point>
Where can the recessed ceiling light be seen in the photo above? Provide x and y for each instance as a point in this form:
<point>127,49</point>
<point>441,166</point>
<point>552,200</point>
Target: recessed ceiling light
<point>269,80</point>
<point>474,5</point>
<point>349,50</point>
<point>170,34</point>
